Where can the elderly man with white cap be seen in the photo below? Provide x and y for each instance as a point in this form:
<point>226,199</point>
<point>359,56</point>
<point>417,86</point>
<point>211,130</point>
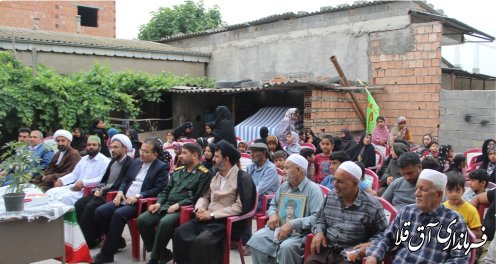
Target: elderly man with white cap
<point>422,232</point>
<point>88,172</point>
<point>63,162</point>
<point>349,218</point>
<point>280,241</point>
<point>115,173</point>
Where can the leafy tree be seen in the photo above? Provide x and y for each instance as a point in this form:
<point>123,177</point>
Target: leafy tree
<point>52,101</point>
<point>189,17</point>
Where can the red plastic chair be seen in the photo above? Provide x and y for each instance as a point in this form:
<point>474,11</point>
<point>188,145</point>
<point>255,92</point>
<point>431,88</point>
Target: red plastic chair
<point>246,156</point>
<point>383,149</point>
<point>372,175</point>
<point>132,224</point>
<point>187,213</point>
<point>189,140</point>
<point>471,153</point>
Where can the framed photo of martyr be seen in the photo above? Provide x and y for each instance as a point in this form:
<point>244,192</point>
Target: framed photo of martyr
<point>291,206</point>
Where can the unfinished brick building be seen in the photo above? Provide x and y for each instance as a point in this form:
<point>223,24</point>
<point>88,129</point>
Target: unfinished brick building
<point>95,17</point>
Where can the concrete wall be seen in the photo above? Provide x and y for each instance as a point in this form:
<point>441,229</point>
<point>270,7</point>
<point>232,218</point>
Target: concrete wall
<point>58,16</point>
<point>68,63</point>
<point>301,45</point>
<point>467,118</point>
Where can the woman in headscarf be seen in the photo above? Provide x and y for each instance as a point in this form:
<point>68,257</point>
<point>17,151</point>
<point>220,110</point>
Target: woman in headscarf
<point>264,132</point>
<point>208,156</point>
<point>292,143</point>
<point>224,126</point>
<point>364,151</point>
<point>209,128</point>
<point>273,144</point>
<point>348,142</point>
<point>427,140</point>
<point>79,141</point>
<point>100,131</point>
<point>134,138</point>
<point>287,124</point>
<point>489,143</point>
<point>313,139</point>
<point>392,172</point>
<point>400,131</point>
<point>490,164</point>
<point>183,131</point>
<point>177,150</point>
<point>380,134</point>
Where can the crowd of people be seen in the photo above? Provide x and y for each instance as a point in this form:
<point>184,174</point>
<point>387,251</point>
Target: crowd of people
<point>222,175</point>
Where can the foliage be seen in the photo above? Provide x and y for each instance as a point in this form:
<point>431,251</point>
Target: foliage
<point>18,161</point>
<point>189,17</point>
<point>51,101</point>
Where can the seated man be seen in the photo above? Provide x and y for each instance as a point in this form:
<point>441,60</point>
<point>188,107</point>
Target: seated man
<point>41,151</point>
<point>349,218</point>
<point>265,177</point>
<point>287,247</point>
<point>88,172</point>
<point>423,246</point>
<point>117,169</point>
<point>146,177</point>
<point>401,191</point>
<point>63,162</point>
<point>187,184</point>
<point>231,192</point>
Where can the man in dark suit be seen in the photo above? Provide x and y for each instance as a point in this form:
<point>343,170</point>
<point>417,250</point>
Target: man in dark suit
<point>145,178</point>
<point>113,177</point>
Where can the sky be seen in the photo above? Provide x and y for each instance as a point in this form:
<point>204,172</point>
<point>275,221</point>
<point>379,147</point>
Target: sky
<point>480,14</point>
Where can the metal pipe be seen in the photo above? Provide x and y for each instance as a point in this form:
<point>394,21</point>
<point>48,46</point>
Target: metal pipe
<point>343,81</point>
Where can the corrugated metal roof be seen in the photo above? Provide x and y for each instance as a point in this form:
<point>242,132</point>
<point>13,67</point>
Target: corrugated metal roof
<point>273,18</point>
<point>52,38</point>
<point>267,86</point>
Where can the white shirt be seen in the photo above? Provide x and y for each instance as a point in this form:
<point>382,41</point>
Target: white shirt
<point>60,157</point>
<point>90,171</point>
<point>136,185</point>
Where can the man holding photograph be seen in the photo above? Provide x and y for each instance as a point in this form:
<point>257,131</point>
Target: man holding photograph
<point>287,247</point>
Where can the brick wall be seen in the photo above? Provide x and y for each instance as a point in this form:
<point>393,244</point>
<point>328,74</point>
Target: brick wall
<point>58,16</point>
<point>411,76</point>
<point>327,112</point>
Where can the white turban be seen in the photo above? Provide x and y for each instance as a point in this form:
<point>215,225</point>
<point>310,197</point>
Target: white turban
<point>351,168</point>
<point>63,133</point>
<point>298,160</point>
<point>435,177</point>
<point>124,140</point>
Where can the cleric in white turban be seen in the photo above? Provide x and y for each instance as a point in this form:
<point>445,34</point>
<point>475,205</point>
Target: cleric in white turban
<point>63,133</point>
<point>124,140</point>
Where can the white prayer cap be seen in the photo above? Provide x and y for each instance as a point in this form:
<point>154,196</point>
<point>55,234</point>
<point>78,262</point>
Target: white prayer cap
<point>63,133</point>
<point>352,169</point>
<point>298,160</point>
<point>124,140</point>
<point>435,177</point>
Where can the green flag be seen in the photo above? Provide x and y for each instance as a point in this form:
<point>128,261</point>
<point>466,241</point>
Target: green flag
<point>372,112</point>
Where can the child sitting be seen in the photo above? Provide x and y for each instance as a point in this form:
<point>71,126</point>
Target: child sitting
<point>279,159</point>
<point>455,188</point>
<point>308,153</point>
<point>364,183</point>
<point>335,160</point>
<point>242,147</point>
<point>322,161</point>
<point>432,151</point>
<point>478,182</point>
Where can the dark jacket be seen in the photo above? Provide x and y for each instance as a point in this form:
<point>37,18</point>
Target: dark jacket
<point>224,126</point>
<point>154,182</point>
<point>179,132</point>
<point>68,162</point>
<point>348,143</point>
<point>366,153</point>
<point>125,167</point>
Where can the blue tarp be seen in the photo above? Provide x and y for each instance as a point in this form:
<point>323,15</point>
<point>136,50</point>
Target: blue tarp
<point>269,117</point>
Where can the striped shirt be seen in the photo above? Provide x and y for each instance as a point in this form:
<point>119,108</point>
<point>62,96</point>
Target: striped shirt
<point>345,226</point>
<point>413,249</point>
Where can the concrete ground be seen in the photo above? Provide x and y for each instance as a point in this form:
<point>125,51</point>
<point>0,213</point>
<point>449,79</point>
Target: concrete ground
<point>125,256</point>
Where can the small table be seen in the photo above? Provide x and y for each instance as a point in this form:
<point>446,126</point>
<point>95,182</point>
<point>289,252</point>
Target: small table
<point>26,242</point>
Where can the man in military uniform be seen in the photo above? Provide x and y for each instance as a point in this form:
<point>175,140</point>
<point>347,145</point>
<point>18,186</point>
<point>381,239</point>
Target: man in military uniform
<point>187,184</point>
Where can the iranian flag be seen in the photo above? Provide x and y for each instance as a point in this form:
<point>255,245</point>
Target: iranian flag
<point>74,241</point>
